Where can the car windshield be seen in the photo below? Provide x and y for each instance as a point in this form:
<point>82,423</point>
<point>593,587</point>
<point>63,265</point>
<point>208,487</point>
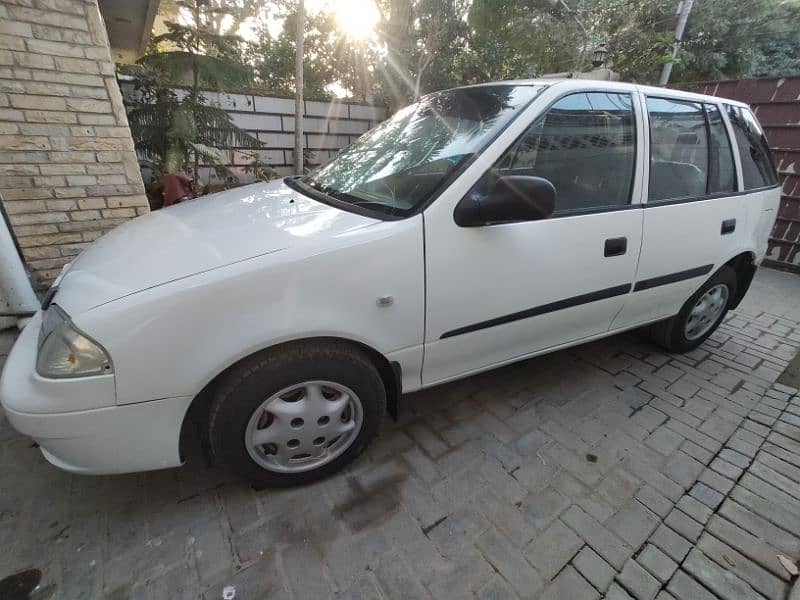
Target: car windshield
<point>400,164</point>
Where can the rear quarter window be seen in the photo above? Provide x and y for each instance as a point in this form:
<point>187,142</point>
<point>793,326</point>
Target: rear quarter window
<point>758,170</point>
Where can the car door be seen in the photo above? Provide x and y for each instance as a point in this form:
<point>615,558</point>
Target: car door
<point>497,293</point>
<point>693,217</point>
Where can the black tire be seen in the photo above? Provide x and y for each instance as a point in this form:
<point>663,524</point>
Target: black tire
<point>253,380</point>
<point>670,333</point>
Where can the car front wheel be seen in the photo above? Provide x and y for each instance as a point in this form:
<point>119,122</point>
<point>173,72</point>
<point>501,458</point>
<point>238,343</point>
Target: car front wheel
<point>296,413</point>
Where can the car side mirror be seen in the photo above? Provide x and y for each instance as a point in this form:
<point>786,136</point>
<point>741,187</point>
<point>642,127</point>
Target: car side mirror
<point>513,198</point>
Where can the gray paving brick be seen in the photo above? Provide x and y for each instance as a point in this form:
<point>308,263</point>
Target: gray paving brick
<point>768,509</point>
<point>779,466</point>
<point>683,524</point>
<point>654,501</point>
<point>594,569</point>
<point>719,580</point>
<point>728,558</point>
<point>708,496</point>
<point>638,582</point>
<point>683,469</point>
<point>507,517</point>
<point>723,467</point>
<point>602,541</point>
<point>664,440</point>
<point>657,563</point>
<point>716,481</point>
<point>684,587</point>
<point>465,573</point>
<point>457,529</point>
<point>761,527</point>
<point>570,584</point>
<point>617,487</point>
<point>651,475</point>
<point>633,523</point>
<point>507,560</point>
<point>431,443</point>
<point>718,428</point>
<point>697,452</point>
<point>649,418</point>
<point>665,595</point>
<point>669,373</point>
<point>398,580</point>
<point>553,549</point>
<point>615,592</point>
<point>672,544</point>
<point>695,509</point>
<point>497,589</point>
<point>541,508</point>
<point>747,544</point>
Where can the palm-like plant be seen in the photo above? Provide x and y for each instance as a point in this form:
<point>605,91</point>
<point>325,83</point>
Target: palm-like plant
<point>176,128</point>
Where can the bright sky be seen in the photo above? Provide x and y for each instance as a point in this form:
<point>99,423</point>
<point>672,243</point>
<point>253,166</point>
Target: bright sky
<point>357,18</point>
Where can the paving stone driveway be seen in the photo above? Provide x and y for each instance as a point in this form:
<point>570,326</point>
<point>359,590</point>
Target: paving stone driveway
<point>609,469</point>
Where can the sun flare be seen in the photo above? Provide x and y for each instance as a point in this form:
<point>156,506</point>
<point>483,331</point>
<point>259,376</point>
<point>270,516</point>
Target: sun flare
<point>357,18</point>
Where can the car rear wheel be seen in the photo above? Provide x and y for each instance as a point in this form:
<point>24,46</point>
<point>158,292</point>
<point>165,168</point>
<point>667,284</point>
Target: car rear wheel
<point>700,315</point>
<point>297,413</point>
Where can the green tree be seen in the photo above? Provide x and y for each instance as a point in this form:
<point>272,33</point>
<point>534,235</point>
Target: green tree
<point>177,127</point>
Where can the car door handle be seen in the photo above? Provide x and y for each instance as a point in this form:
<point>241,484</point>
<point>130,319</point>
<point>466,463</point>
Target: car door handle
<point>616,246</point>
<point>728,226</point>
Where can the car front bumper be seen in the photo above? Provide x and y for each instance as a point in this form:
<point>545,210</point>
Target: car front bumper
<point>76,422</point>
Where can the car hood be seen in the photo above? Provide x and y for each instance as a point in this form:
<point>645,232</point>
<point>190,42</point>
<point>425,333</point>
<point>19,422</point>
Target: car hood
<point>198,236</point>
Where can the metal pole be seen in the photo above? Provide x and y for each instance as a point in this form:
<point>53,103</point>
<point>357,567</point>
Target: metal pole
<point>684,8</point>
<point>16,294</point>
<point>298,94</point>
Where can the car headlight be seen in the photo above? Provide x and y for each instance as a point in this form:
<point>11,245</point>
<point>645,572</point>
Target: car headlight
<point>65,351</point>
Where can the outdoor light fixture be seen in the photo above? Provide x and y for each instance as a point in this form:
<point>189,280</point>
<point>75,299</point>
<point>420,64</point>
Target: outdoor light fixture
<point>599,56</point>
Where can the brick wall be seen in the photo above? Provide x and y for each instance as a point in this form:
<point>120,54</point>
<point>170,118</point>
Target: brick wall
<point>327,126</point>
<point>68,171</point>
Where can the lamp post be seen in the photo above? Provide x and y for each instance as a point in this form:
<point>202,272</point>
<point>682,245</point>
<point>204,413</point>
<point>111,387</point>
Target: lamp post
<point>599,55</point>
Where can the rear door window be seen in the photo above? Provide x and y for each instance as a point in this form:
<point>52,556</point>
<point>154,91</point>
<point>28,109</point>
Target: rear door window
<point>679,149</point>
<point>758,170</point>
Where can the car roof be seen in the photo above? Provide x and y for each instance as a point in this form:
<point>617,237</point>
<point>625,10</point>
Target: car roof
<point>615,85</point>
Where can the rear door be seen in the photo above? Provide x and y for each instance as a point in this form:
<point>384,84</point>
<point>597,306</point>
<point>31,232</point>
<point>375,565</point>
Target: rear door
<point>693,216</point>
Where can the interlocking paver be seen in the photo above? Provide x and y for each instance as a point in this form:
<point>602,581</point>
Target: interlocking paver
<point>633,523</point>
<point>657,563</point>
<point>684,587</point>
<point>570,584</point>
<point>549,478</point>
<point>602,541</point>
<point>638,582</point>
<point>593,568</point>
<point>502,555</point>
<point>683,524</point>
<point>721,581</point>
<point>728,558</point>
<point>553,549</point>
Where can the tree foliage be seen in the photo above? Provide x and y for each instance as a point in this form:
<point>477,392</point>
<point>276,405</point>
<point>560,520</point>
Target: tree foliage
<point>175,128</point>
<point>424,45</point>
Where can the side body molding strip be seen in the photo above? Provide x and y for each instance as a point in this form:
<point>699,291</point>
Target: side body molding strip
<point>619,290</point>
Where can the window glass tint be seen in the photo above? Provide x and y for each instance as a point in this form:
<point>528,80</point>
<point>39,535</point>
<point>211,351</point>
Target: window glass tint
<point>678,149</point>
<point>721,172</point>
<point>584,145</point>
<point>757,167</point>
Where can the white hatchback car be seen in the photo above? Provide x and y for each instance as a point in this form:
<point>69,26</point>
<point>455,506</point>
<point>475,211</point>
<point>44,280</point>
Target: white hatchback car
<point>480,226</point>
